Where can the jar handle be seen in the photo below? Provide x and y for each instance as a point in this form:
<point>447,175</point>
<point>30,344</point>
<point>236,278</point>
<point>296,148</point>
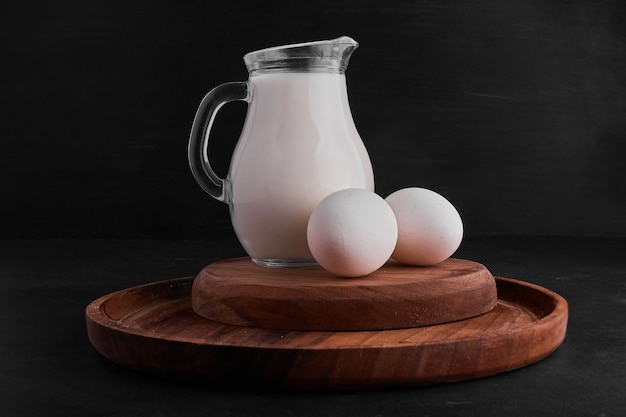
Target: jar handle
<point>198,150</point>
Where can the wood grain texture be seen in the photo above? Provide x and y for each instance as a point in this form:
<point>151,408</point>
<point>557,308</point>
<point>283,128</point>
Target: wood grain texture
<point>153,328</point>
<point>238,292</point>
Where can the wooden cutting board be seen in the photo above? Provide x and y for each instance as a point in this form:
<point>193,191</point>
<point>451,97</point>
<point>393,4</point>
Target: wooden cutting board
<point>239,292</point>
<point>153,328</point>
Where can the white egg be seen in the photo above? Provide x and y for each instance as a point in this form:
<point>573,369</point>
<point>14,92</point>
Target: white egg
<point>352,232</point>
<point>430,229</point>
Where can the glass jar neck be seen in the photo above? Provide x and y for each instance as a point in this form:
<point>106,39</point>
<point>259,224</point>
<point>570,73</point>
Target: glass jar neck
<point>330,56</point>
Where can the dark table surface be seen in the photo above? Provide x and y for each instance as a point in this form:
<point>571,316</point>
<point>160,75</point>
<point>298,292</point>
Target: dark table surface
<point>48,366</point>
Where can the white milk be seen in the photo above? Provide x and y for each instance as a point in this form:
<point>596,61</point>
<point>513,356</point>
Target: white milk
<point>298,145</point>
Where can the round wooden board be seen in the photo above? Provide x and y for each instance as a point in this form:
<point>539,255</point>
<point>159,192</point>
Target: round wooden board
<point>239,292</point>
<point>153,328</point>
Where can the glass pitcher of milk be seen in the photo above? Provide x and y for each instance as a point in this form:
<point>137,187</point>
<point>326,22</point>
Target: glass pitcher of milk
<point>298,145</point>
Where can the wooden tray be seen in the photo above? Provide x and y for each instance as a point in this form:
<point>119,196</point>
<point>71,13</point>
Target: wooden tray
<point>153,328</point>
<point>237,291</point>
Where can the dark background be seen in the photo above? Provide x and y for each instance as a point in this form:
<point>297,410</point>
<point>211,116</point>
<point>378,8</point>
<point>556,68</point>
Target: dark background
<point>515,110</point>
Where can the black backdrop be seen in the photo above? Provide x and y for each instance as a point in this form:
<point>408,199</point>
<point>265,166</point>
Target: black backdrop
<point>515,110</point>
